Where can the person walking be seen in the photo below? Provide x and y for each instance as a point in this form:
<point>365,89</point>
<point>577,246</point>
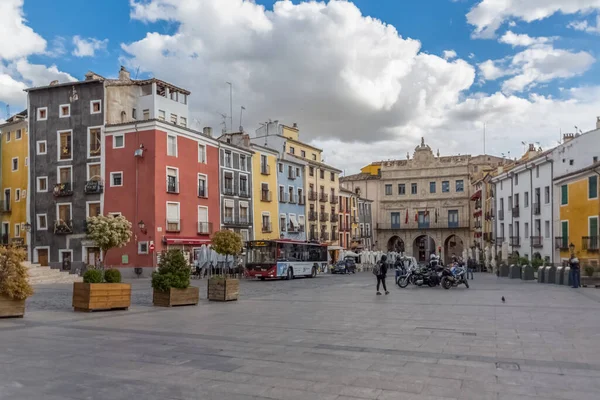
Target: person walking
<point>380,271</point>
<point>575,271</point>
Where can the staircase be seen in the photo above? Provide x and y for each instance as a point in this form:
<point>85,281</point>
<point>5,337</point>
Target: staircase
<point>39,275</point>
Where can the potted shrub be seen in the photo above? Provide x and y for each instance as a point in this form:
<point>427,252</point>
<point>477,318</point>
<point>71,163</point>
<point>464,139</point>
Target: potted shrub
<point>222,287</point>
<point>171,283</point>
<point>14,284</point>
<point>101,290</point>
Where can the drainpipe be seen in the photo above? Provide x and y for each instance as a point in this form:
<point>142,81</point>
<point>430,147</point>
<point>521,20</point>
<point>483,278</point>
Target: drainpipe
<point>551,161</point>
<point>598,173</point>
<point>531,212</point>
<point>512,218</point>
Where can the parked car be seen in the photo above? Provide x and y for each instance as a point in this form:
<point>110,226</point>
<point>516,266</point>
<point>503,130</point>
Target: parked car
<point>339,268</point>
<point>350,264</point>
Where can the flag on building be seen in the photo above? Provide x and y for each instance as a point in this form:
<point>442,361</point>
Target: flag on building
<point>406,221</point>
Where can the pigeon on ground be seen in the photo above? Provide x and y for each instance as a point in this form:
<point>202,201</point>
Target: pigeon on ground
<point>503,299</point>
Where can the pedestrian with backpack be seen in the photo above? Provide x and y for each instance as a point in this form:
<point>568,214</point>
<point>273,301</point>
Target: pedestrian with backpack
<point>380,270</point>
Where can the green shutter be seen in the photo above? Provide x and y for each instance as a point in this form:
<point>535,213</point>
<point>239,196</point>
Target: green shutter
<point>565,234</point>
<point>564,191</point>
<point>594,227</point>
<point>593,187</point>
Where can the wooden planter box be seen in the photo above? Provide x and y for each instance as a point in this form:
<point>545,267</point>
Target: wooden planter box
<point>176,297</point>
<point>10,308</point>
<point>220,289</point>
<point>594,281</point>
<point>101,296</point>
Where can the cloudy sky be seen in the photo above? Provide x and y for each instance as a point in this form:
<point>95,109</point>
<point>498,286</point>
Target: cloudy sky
<point>364,80</point>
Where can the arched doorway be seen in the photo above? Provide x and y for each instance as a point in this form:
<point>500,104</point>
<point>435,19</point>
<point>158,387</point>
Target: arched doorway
<point>422,247</point>
<point>396,244</point>
<point>453,246</point>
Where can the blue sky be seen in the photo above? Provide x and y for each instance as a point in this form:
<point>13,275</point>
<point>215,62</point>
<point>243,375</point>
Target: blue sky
<point>531,67</point>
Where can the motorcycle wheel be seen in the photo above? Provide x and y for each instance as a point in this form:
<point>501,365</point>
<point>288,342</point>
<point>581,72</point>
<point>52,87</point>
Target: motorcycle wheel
<point>403,282</point>
<point>432,283</point>
<point>446,284</point>
<point>466,283</point>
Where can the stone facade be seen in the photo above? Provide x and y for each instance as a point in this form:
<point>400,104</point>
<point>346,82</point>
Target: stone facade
<point>365,221</point>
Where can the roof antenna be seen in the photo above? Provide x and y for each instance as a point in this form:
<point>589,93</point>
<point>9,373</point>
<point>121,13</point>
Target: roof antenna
<point>7,111</point>
<point>137,71</point>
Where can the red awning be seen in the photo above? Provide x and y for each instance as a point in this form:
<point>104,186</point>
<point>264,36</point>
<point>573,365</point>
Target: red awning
<point>476,195</point>
<point>185,240</point>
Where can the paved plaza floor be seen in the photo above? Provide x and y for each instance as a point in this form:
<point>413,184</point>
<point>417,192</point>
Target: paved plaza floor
<point>329,338</point>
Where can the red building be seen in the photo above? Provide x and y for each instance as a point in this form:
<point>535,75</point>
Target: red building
<point>164,179</point>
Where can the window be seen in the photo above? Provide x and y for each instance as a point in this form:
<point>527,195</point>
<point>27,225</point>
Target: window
<point>322,173</point>
<point>17,194</point>
<point>526,230</point>
<point>244,215</point>
<point>228,180</point>
<point>202,188</point>
<point>42,222</point>
<point>395,218</point>
<point>42,184</point>
<point>161,115</point>
<point>26,161</point>
<point>547,194</point>
<point>41,147</point>
<point>201,153</point>
<point>64,213</point>
<point>431,187</point>
<point>314,157</point>
<point>173,217</point>
<point>282,223</point>
<point>94,172</point>
<point>413,188</point>
<point>94,142</point>
<point>64,111</point>
<point>452,218</point>
<point>116,179</point>
<point>172,145</point>
<point>242,162</point>
<point>445,186</point>
<point>8,136</point>
<point>203,224</point>
<point>292,150</point>
<point>571,162</point>
<point>142,247</point>
<point>303,153</point>
<point>546,229</point>
<point>460,186</point>
<point>146,114</point>
<point>15,164</point>
<point>593,227</point>
<point>537,171</point>
<point>388,190</point>
<point>93,209</point>
<point>516,197</point>
<point>18,134</point>
<point>228,159</point>
<point>243,185</point>
<point>297,172</point>
<point>501,233</point>
<point>174,119</point>
<point>17,230</point>
<point>65,148</point>
<point>311,171</point>
<point>65,174</point>
<point>95,107</point>
<point>118,141</point>
<point>564,195</point>
<point>172,181</point>
<point>134,113</point>
<point>516,179</point>
<point>280,167</point>
<point>115,214</point>
<point>332,177</point>
<point>42,113</point>
<point>526,199</point>
<point>183,122</point>
<point>593,187</point>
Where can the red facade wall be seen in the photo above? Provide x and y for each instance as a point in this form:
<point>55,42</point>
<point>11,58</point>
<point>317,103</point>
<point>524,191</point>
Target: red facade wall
<point>145,198</point>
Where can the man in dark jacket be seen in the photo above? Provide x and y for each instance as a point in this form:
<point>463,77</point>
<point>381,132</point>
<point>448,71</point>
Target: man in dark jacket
<point>381,275</point>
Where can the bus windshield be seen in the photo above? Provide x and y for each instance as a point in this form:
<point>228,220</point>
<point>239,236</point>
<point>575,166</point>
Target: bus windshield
<point>261,253</point>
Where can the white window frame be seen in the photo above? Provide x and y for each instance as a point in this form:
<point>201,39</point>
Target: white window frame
<point>87,207</point>
<point>183,122</point>
<point>60,114</point>
<point>115,213</point>
<point>164,116</point>
<point>87,170</point>
<point>58,173</point>
<point>205,184</point>
<point>178,212</point>
<point>247,232</point>
<point>111,178</point>
<point>115,141</point>
<point>12,165</point>
<point>176,178</point>
<point>58,145</point>
<point>201,153</point>
<point>589,223</point>
<point>17,195</point>
<point>92,102</point>
<point>8,136</point>
<point>37,147</point>
<point>17,230</point>
<point>171,118</point>
<point>37,218</point>
<point>176,147</point>
<point>38,113</point>
<point>144,113</point>
<point>19,137</point>
<point>60,254</point>
<point>89,130</point>
<point>139,247</point>
<point>70,210</point>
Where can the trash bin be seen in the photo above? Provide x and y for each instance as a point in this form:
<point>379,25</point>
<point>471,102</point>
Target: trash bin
<point>558,280</point>
<point>527,273</point>
<point>549,274</point>
<point>504,270</point>
<point>540,272</point>
<point>514,272</point>
<point>567,281</point>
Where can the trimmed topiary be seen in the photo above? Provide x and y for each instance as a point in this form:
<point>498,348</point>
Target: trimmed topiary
<point>112,276</point>
<point>92,276</point>
<point>13,274</point>
<point>173,271</point>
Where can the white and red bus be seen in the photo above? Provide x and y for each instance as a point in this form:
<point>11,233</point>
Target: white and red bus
<point>277,259</point>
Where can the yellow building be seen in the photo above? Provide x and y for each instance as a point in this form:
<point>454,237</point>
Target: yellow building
<point>265,200</point>
<point>14,155</point>
<point>579,208</point>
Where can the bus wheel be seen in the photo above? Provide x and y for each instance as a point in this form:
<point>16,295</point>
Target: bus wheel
<point>262,279</point>
<point>290,274</point>
<point>314,272</point>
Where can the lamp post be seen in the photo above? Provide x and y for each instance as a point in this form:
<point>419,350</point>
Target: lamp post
<point>142,227</point>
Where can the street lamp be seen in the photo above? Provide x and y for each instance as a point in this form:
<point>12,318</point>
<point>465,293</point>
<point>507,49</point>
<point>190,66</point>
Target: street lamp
<point>142,227</point>
<point>572,248</point>
<point>28,227</point>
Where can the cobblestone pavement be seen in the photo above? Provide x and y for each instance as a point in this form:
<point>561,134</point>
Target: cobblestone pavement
<point>329,338</point>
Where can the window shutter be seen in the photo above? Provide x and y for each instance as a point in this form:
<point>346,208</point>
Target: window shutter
<point>564,191</point>
<point>593,227</point>
<point>202,214</point>
<point>592,187</point>
<point>172,212</point>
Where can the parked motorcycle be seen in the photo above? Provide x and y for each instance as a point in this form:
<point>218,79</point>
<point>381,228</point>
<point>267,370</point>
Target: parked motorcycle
<point>454,276</point>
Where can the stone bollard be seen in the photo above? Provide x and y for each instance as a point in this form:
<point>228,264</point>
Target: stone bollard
<point>504,270</point>
<point>558,280</point>
<point>527,273</point>
<point>567,281</point>
<point>514,272</point>
<point>540,272</point>
<point>550,274</point>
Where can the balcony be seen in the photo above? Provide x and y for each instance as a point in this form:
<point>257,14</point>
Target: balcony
<point>324,236</point>
<point>173,225</point>
<point>265,169</point>
<point>63,189</point>
<point>312,215</point>
<point>242,221</point>
<point>202,192</point>
<point>244,193</point>
<point>345,227</point>
<point>172,186</point>
<point>515,241</point>
<point>265,195</point>
<point>301,200</point>
<point>228,190</point>
<point>312,195</point>
<point>267,227</point>
<point>499,241</point>
<point>536,209</point>
<point>323,217</point>
<point>323,197</point>
<point>561,242</point>
<point>62,227</point>
<point>313,236</point>
<point>204,228</point>
<point>291,175</point>
<point>590,243</point>
<point>292,198</point>
<point>501,215</point>
<point>515,212</point>
<point>334,218</point>
<point>412,225</point>
<point>94,187</point>
<point>334,198</point>
<point>537,241</point>
<point>5,207</point>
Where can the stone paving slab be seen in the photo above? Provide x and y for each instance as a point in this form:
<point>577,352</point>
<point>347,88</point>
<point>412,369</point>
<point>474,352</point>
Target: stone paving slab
<point>327,338</point>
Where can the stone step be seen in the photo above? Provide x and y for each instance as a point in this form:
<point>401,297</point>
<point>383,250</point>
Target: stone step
<point>47,275</point>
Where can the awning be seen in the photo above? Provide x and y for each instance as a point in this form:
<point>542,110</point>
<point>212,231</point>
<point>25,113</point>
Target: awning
<point>293,221</point>
<point>476,195</point>
<point>229,203</point>
<point>185,240</point>
<point>330,248</point>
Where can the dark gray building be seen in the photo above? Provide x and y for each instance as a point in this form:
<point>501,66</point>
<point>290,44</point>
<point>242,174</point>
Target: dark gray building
<point>66,170</point>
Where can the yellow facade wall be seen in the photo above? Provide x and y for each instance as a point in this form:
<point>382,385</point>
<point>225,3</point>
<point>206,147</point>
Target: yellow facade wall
<point>371,169</point>
<point>261,205</point>
<point>14,146</point>
<point>577,213</point>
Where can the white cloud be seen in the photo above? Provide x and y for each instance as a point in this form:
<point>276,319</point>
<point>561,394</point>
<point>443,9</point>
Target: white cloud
<point>40,75</point>
<point>488,15</point>
<point>11,90</point>
<point>18,40</point>
<point>585,26</point>
<point>449,54</point>
<point>523,40</point>
<point>490,71</point>
<point>88,47</point>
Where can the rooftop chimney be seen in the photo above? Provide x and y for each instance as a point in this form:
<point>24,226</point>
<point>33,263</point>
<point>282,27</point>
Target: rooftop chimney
<point>597,122</point>
<point>207,131</point>
<point>295,125</point>
<point>567,137</point>
<point>53,83</point>
<point>124,74</point>
<point>531,147</point>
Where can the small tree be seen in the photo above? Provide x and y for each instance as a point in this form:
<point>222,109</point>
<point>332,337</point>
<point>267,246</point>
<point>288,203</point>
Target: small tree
<point>13,274</point>
<point>173,271</point>
<point>109,232</point>
<point>227,243</point>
